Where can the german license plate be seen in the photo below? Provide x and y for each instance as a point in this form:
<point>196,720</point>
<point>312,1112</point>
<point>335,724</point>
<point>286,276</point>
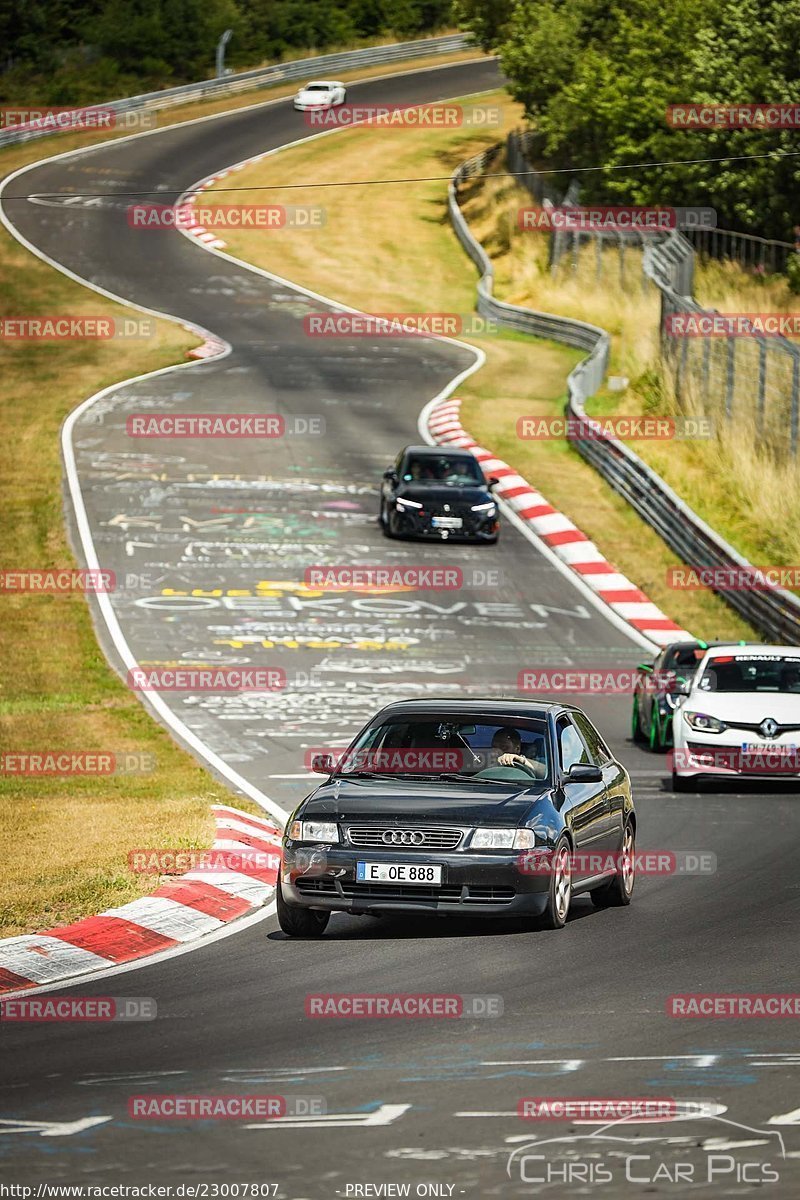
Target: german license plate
<point>367,872</point>
<point>446,522</point>
<point>768,748</point>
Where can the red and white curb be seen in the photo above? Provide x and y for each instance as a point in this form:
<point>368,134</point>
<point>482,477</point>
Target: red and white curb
<point>559,533</point>
<point>185,908</point>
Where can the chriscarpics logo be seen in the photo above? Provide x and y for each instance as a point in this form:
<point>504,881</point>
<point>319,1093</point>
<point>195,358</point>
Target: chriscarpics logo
<point>693,1145</point>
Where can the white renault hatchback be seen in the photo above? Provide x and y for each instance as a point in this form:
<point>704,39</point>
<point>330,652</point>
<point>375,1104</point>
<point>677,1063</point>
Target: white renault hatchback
<point>740,716</point>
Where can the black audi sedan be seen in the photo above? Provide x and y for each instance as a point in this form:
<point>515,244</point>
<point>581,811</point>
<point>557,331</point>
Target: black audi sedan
<point>488,807</point>
<point>436,492</point>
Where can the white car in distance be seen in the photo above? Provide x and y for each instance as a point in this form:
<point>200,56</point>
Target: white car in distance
<point>320,93</point>
<point>739,717</point>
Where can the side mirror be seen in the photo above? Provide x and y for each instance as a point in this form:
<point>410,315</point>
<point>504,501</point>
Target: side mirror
<point>322,764</point>
<point>681,686</point>
<point>584,773</point>
<point>492,482</point>
<point>390,474</point>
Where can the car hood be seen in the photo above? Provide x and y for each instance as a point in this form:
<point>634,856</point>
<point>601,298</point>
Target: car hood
<point>431,494</point>
<point>750,707</point>
<point>315,95</point>
<point>399,801</point>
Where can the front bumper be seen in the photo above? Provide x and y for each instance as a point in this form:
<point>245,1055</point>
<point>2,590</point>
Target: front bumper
<point>476,527</point>
<point>695,757</point>
<point>303,106</point>
<point>489,884</point>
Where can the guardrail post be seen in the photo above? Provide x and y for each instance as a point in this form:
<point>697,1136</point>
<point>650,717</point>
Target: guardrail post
<point>795,399</point>
<point>730,376</point>
<point>762,384</point>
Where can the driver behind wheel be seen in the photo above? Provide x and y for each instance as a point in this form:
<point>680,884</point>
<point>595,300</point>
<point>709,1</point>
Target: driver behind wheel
<point>507,745</point>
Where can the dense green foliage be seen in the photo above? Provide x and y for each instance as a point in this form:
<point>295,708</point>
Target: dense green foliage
<point>596,76</point>
<point>75,51</point>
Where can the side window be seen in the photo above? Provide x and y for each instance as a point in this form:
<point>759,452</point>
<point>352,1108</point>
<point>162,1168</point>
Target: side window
<point>571,749</point>
<point>597,747</point>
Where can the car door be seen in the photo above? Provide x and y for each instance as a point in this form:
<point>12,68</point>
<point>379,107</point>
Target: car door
<point>586,803</point>
<point>645,693</point>
<point>391,479</point>
<point>614,777</point>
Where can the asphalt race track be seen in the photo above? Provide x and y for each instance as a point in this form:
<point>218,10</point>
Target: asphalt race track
<point>408,1102</point>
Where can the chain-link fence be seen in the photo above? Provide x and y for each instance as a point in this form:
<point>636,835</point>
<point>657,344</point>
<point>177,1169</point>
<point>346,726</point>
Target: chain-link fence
<point>668,264</point>
<point>743,376</point>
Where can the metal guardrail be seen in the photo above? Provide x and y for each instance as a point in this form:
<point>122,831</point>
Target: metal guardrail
<point>775,612</point>
<point>322,65</point>
<point>763,255</point>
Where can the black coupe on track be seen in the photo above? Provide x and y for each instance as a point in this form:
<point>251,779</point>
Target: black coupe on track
<point>439,493</point>
<point>488,807</point>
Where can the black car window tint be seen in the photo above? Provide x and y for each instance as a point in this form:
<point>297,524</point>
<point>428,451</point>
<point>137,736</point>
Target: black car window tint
<point>571,749</point>
<point>597,747</point>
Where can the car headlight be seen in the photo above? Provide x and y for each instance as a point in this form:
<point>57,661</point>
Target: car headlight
<point>490,508</point>
<point>502,839</point>
<point>703,723</point>
<point>314,831</point>
<point>401,503</point>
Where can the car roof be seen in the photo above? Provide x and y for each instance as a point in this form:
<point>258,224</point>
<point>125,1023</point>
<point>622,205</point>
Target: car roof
<point>438,451</point>
<point>322,83</point>
<point>511,706</point>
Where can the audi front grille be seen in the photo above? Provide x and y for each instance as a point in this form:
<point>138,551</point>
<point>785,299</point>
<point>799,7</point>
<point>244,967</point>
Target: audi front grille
<point>407,837</point>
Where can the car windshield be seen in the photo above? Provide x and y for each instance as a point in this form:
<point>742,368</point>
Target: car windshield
<point>752,673</point>
<point>451,470</point>
<point>684,659</point>
<point>317,87</point>
<point>445,746</point>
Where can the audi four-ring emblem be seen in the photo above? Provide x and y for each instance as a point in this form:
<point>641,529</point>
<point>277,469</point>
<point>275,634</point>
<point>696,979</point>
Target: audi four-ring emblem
<point>403,837</point>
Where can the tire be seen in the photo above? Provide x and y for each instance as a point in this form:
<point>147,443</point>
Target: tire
<point>654,739</point>
<point>558,896</point>
<point>617,893</point>
<point>636,725</point>
<point>300,922</point>
<point>383,521</point>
